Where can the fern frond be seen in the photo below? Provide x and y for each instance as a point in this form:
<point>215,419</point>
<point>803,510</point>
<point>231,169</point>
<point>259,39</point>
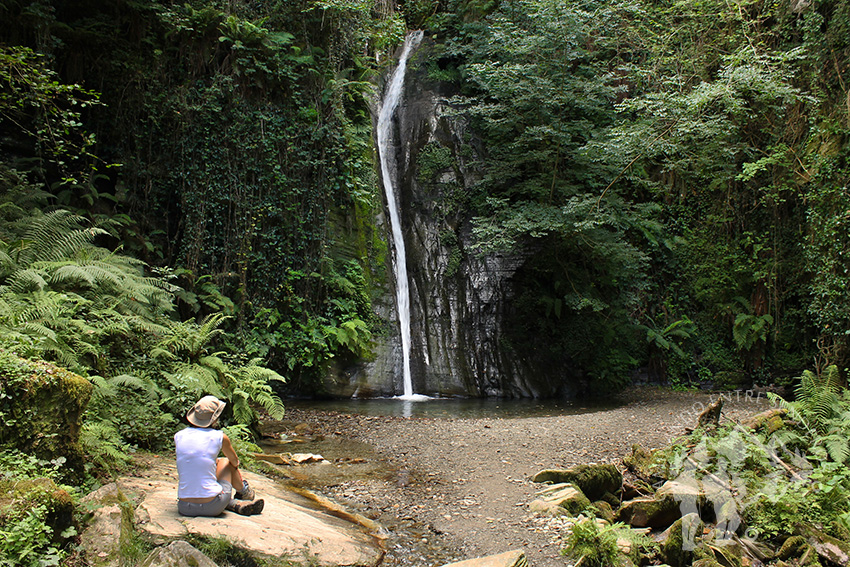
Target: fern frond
<point>143,385</point>
<point>158,352</point>
<point>837,447</point>
<point>64,273</point>
<point>102,386</point>
<point>781,402</point>
<point>197,379</point>
<point>38,330</point>
<point>57,235</point>
<point>102,442</point>
<point>28,280</point>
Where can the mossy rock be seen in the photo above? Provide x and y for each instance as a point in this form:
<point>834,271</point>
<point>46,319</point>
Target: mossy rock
<point>827,547</point>
<point>678,548</point>
<point>640,462</point>
<point>110,536</point>
<point>177,554</point>
<point>794,546</point>
<point>729,555</point>
<point>649,512</point>
<point>706,562</point>
<point>605,511</point>
<point>18,497</point>
<point>593,480</point>
<point>560,499</point>
<point>767,422</point>
<point>41,408</point>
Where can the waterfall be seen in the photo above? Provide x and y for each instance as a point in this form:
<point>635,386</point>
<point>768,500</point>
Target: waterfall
<point>389,105</point>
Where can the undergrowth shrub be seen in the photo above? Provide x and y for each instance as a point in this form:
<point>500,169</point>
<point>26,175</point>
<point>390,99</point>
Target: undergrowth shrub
<point>36,513</point>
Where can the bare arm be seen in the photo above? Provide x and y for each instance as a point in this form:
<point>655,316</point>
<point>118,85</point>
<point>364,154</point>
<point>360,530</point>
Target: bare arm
<point>229,452</point>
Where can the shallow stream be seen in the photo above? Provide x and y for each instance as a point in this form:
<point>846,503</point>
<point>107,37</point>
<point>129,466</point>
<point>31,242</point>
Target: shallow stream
<point>458,408</point>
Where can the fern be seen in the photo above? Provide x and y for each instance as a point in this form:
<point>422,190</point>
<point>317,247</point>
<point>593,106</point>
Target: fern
<point>55,235</point>
<point>822,407</point>
<point>102,442</point>
<point>190,339</point>
<point>819,397</point>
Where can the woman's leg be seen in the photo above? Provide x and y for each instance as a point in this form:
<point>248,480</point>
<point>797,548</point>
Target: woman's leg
<point>228,473</point>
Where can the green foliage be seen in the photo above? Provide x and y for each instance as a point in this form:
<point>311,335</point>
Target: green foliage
<point>595,545</point>
<point>194,371</point>
<point>665,345</point>
<point>46,111</point>
<point>27,542</point>
<point>104,446</point>
<point>822,407</point>
<point>795,474</point>
<point>26,536</point>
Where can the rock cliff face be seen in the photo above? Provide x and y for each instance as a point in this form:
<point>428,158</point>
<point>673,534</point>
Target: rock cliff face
<point>459,300</point>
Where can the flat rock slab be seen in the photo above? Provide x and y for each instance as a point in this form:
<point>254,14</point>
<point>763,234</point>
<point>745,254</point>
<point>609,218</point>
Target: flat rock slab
<point>287,526</point>
<point>515,558</point>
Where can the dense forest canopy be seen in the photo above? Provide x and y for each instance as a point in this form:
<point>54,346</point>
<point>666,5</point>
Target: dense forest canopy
<point>675,171</point>
<point>680,165</point>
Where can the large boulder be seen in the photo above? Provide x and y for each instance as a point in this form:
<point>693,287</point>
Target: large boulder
<point>560,499</point>
<point>595,481</point>
<point>288,525</point>
<point>111,523</point>
<point>41,408</point>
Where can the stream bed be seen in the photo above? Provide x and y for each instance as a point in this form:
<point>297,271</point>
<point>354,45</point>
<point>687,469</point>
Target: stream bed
<point>449,479</point>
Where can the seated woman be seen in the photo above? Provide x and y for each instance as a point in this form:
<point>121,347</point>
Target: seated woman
<point>205,481</point>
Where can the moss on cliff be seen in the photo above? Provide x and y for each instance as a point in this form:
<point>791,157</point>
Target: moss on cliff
<point>41,407</point>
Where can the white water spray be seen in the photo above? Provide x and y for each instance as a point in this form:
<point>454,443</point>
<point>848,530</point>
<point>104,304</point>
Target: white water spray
<point>385,153</point>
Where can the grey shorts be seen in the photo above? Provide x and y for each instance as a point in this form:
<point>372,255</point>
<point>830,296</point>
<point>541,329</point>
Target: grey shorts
<point>212,508</point>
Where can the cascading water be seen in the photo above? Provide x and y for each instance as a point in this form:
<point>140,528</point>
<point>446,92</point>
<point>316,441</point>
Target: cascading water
<point>389,105</point>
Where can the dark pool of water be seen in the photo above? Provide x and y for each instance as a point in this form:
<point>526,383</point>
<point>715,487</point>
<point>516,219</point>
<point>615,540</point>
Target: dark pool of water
<point>456,408</point>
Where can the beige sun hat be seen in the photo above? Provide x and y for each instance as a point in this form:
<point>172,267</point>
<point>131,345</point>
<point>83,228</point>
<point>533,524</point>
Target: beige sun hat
<point>205,411</point>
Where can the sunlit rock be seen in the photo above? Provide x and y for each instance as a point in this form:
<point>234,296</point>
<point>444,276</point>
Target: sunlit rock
<point>560,499</point>
<point>595,481</point>
<point>515,558</point>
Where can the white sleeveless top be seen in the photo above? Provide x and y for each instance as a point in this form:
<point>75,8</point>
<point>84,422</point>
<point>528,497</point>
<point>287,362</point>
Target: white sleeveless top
<point>197,449</point>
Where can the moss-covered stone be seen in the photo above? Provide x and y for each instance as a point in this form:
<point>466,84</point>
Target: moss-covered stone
<point>707,562</point>
<point>827,547</point>
<point>41,408</point>
<point>640,461</point>
<point>794,546</point>
<point>110,536</point>
<point>649,512</point>
<point>18,497</point>
<point>593,480</point>
<point>560,499</point>
<point>729,555</point>
<point>767,422</point>
<point>678,548</point>
<point>604,511</point>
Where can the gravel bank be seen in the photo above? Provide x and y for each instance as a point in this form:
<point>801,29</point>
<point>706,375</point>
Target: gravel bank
<point>450,489</point>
